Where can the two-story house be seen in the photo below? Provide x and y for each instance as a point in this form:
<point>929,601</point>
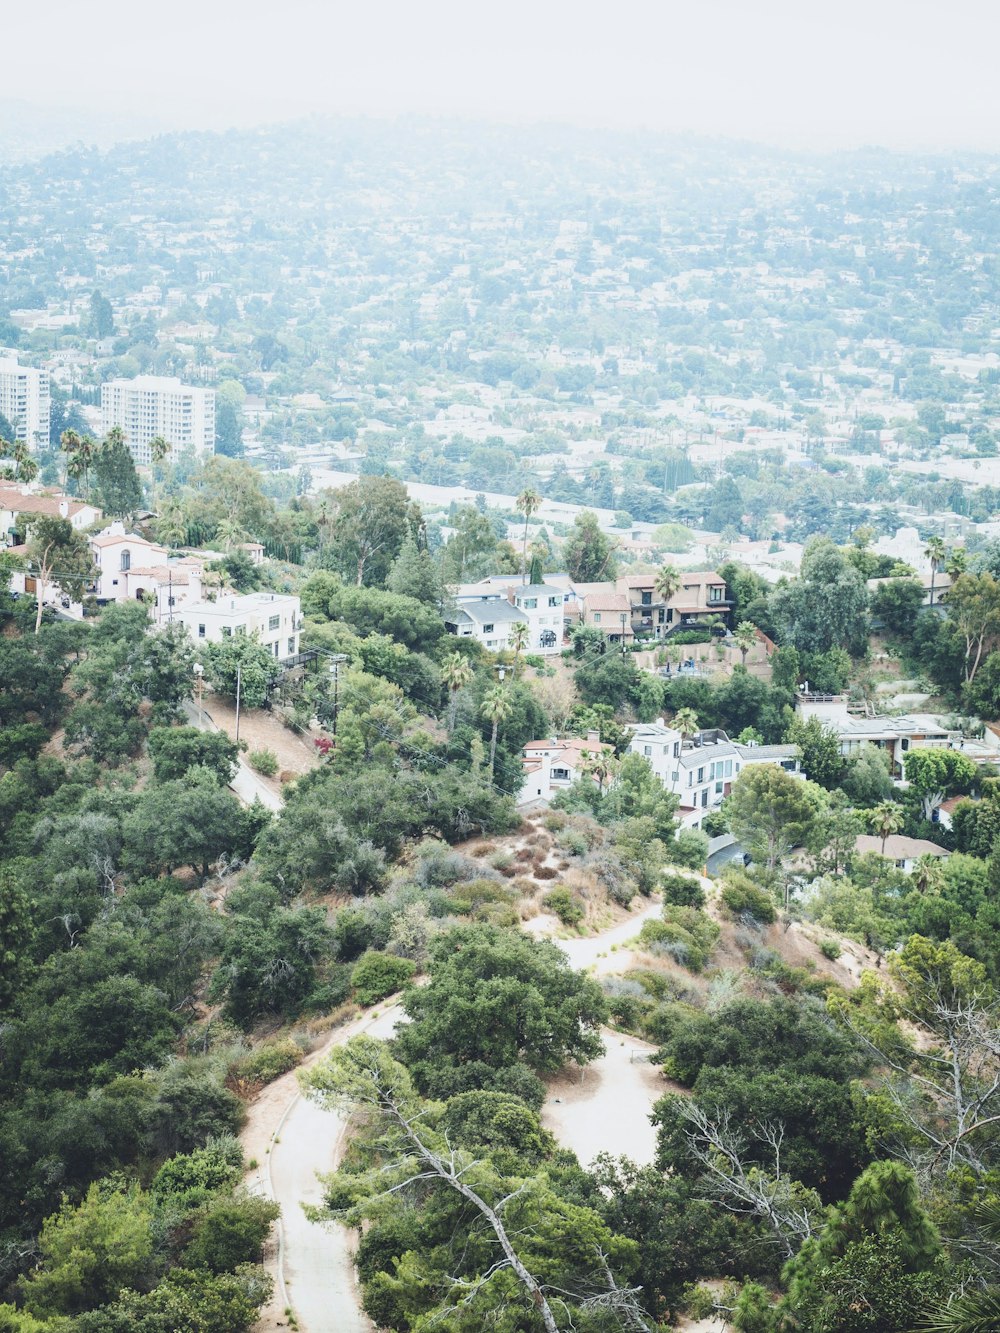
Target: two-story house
<point>552,765</point>
<point>132,568</point>
<point>275,617</point>
<point>479,613</point>
<point>896,735</point>
<point>700,595</point>
<point>19,505</point>
<point>701,769</point>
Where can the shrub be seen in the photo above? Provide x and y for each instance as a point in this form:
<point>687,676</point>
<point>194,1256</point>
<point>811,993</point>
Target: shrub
<point>264,762</point>
<point>683,933</point>
<point>545,872</point>
<point>573,843</point>
<point>377,975</point>
<point>681,890</point>
<point>830,949</point>
<point>689,848</point>
<point>568,909</point>
<point>741,896</point>
<point>268,1062</point>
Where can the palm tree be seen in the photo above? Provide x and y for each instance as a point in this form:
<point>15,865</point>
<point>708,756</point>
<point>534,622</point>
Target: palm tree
<point>496,708</point>
<point>81,450</point>
<point>518,640</point>
<point>926,873</point>
<point>25,467</point>
<point>667,581</point>
<point>886,818</point>
<point>935,553</point>
<point>745,636</point>
<point>527,503</point>
<point>601,767</point>
<point>171,526</point>
<point>230,533</point>
<point>958,563</point>
<point>159,448</point>
<point>685,720</point>
<point>975,1311</point>
<point>456,673</point>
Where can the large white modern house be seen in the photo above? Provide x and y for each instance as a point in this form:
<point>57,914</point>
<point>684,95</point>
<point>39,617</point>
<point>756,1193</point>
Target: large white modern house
<point>159,405</point>
<point>275,617</point>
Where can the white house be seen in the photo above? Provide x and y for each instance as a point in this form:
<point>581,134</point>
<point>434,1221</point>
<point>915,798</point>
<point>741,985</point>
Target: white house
<point>903,852</point>
<point>701,769</point>
<point>275,617</point>
<point>896,735</point>
<point>552,765</point>
<point>538,605</point>
<point>132,568</point>
<point>19,505</point>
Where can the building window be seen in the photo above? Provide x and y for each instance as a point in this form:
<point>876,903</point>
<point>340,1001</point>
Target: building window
<point>241,629</point>
<point>201,631</point>
<point>529,603</point>
<point>647,749</point>
<point>274,622</point>
<point>715,594</point>
<point>729,768</point>
<point>291,647</point>
<point>701,775</point>
<point>646,598</point>
<point>560,775</point>
<point>555,601</point>
<point>597,617</point>
<point>487,629</point>
<point>126,564</point>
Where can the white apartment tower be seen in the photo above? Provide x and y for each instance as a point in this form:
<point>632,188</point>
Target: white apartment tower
<point>24,400</point>
<point>152,405</point>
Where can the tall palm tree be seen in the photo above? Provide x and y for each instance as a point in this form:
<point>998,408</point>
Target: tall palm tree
<point>496,708</point>
<point>745,636</point>
<point>25,467</point>
<point>600,766</point>
<point>527,503</point>
<point>518,639</point>
<point>926,873</point>
<point>171,525</point>
<point>886,818</point>
<point>958,562</point>
<point>685,720</point>
<point>456,673</point>
<point>935,553</point>
<point>81,451</point>
<point>159,448</point>
<point>667,581</point>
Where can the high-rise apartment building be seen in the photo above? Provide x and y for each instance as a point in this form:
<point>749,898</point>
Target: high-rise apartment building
<point>152,405</point>
<point>24,400</point>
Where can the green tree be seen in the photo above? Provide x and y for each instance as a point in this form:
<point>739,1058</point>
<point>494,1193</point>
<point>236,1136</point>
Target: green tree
<point>746,637</point>
<point>497,998</point>
<point>587,553</point>
<point>117,480</point>
<point>827,606</point>
<point>935,552</point>
<point>886,819</point>
<point>102,317</point>
<point>934,775</point>
<point>241,659</point>
<point>820,750</point>
<point>866,779</point>
<point>58,554</point>
<point>90,1251</point>
<point>373,517</point>
<point>414,574</point>
<point>457,675</point>
<point>770,812</point>
<point>175,750</point>
<point>897,603</point>
<point>973,606</point>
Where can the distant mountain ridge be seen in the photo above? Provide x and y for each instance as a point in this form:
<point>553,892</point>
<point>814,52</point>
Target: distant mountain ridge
<point>28,131</point>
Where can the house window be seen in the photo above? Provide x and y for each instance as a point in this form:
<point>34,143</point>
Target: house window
<point>201,631</point>
<point>701,775</point>
<point>647,749</point>
<point>529,603</point>
<point>274,622</point>
<point>597,617</point>
<point>487,629</point>
<point>729,768</point>
<point>126,564</point>
<point>677,749</point>
<point>555,601</point>
<point>646,598</point>
<point>227,631</point>
<point>560,775</point>
<point>291,647</point>
<point>715,594</point>
<point>241,629</point>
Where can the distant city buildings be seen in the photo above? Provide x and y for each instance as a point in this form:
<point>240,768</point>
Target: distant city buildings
<point>159,405</point>
<point>24,400</point>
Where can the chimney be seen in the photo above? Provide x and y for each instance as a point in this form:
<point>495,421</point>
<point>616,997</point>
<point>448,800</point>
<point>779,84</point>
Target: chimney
<point>594,736</point>
<point>64,509</point>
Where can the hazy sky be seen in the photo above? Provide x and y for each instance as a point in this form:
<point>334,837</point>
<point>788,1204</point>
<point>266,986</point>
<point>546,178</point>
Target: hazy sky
<point>895,72</point>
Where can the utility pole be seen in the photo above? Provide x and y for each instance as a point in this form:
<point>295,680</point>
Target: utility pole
<point>624,615</point>
<point>239,684</point>
<point>336,659</point>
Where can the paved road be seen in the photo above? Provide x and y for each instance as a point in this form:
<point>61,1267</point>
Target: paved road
<point>606,1111</point>
<point>247,785</point>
